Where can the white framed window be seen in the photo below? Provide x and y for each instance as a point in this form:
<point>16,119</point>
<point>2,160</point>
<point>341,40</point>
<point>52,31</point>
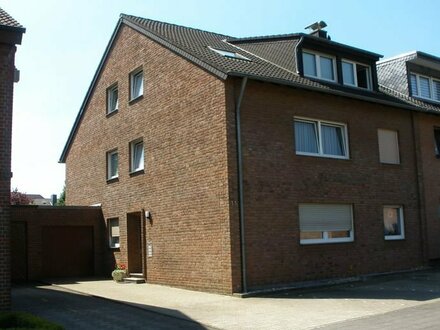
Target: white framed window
<point>356,74</point>
<point>113,232</point>
<point>112,164</point>
<point>320,66</point>
<point>388,146</point>
<point>137,155</point>
<point>229,54</point>
<point>393,222</point>
<point>136,84</point>
<point>112,99</point>
<point>325,223</point>
<point>437,141</point>
<point>320,138</point>
<point>424,87</point>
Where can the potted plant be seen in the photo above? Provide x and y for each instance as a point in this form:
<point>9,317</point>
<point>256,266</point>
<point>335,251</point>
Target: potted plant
<point>119,273</point>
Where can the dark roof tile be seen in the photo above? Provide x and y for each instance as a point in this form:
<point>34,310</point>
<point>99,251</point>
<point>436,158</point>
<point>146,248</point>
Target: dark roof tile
<point>7,21</point>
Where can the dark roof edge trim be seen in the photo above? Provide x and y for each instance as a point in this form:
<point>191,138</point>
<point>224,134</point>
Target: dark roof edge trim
<point>88,94</point>
<point>333,92</point>
<point>215,71</point>
<point>12,28</point>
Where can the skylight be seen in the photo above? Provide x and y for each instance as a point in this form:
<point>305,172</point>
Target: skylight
<point>229,54</point>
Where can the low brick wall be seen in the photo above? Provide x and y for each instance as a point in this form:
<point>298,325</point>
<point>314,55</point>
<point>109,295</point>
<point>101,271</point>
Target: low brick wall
<point>29,224</point>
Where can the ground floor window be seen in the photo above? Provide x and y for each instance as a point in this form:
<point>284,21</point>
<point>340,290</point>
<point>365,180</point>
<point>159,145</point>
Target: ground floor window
<point>113,230</point>
<point>393,222</point>
<point>325,223</point>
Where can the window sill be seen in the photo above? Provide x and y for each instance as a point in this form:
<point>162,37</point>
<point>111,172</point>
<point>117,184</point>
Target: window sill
<point>114,248</point>
<point>314,242</point>
<point>136,99</point>
<point>110,114</point>
<point>136,173</point>
<point>112,180</point>
<point>321,156</point>
<point>394,238</point>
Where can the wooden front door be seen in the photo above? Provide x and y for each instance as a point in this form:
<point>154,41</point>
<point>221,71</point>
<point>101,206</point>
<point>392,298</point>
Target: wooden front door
<point>134,238</point>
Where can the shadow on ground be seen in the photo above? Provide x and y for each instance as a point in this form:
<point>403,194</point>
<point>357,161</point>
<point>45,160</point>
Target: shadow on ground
<point>78,311</point>
<point>417,286</point>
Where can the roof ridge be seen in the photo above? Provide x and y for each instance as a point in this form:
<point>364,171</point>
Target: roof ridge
<point>175,25</point>
<point>396,57</point>
<point>269,36</point>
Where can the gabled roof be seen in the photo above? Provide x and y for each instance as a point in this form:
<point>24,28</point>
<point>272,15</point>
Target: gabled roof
<point>393,73</point>
<point>9,23</point>
<point>271,59</point>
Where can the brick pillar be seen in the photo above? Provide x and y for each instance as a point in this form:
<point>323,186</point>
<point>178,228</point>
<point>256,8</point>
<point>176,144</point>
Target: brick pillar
<point>7,53</point>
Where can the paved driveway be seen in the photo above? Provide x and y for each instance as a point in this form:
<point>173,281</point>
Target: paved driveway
<point>79,311</point>
<point>401,301</point>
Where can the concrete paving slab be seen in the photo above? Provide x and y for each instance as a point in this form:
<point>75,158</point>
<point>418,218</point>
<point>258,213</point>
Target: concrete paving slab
<point>299,309</point>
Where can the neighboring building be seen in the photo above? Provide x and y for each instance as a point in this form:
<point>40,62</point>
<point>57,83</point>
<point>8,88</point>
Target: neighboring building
<point>10,35</point>
<point>39,200</point>
<point>415,79</point>
<point>232,164</point>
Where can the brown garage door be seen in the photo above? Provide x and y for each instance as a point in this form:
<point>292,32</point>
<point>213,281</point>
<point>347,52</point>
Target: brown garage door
<point>67,251</point>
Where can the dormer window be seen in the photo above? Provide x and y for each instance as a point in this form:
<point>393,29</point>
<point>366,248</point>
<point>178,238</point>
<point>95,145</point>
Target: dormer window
<point>319,66</point>
<point>424,87</point>
<point>356,74</point>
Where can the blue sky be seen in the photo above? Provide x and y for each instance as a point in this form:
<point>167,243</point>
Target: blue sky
<point>65,41</point>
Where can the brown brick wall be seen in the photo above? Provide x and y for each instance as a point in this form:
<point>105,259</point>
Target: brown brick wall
<point>430,169</point>
<point>276,180</point>
<point>38,217</point>
<point>182,121</point>
<point>7,53</point>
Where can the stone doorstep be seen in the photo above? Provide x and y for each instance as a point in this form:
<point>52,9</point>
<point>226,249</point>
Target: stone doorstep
<point>136,278</point>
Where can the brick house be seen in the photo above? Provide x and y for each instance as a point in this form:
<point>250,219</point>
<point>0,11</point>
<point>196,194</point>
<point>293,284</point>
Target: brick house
<point>10,35</point>
<point>415,79</point>
<point>233,164</point>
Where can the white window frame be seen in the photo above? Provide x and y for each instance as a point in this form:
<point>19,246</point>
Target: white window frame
<point>354,64</point>
<point>109,165</point>
<point>402,223</point>
<point>325,238</point>
<point>134,74</point>
<point>431,87</point>
<point>320,152</point>
<point>110,236</point>
<point>318,65</point>
<point>110,91</point>
<point>132,156</point>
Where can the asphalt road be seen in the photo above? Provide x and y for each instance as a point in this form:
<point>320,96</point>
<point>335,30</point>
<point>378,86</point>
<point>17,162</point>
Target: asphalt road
<point>78,311</point>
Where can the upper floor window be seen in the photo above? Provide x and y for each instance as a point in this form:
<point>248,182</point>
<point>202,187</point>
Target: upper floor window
<point>112,99</point>
<point>137,156</point>
<point>136,84</point>
<point>356,74</point>
<point>388,146</point>
<point>424,87</point>
<point>112,165</point>
<point>437,141</point>
<point>319,66</point>
<point>319,138</point>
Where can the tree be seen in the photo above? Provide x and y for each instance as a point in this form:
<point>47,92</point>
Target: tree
<point>62,200</point>
<point>19,198</point>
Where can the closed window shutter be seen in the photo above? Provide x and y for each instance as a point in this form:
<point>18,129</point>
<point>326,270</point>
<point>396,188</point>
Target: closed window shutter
<point>325,217</point>
<point>424,87</point>
<point>413,84</point>
<point>388,146</point>
<point>436,88</point>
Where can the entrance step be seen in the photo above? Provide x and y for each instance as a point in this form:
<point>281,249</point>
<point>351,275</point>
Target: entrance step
<point>135,278</point>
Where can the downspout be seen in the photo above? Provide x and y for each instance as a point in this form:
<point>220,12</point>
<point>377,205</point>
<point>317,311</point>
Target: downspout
<point>240,183</point>
<point>420,189</point>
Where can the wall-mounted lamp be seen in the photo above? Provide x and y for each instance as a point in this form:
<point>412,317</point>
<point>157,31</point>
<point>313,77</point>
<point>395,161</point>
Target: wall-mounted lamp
<point>148,215</point>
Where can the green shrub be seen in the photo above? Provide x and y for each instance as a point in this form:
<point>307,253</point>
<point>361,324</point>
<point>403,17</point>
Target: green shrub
<point>22,321</point>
